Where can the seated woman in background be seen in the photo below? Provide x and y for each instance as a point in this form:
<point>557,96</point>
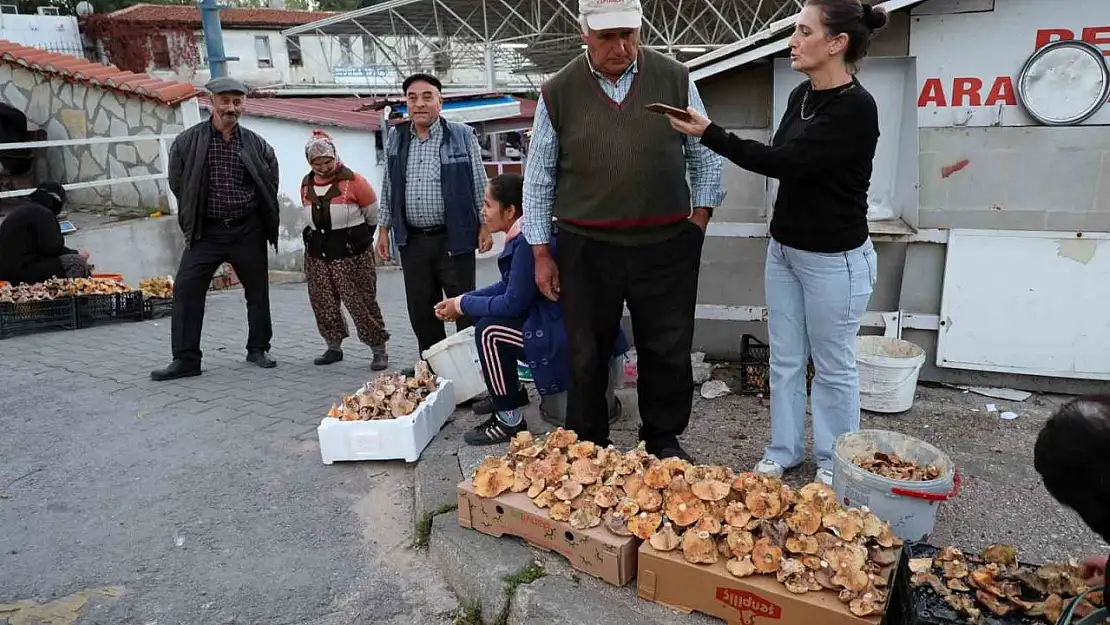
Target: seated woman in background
<point>32,246</point>
<point>513,321</point>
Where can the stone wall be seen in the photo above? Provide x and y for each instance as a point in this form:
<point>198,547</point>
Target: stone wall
<point>76,111</point>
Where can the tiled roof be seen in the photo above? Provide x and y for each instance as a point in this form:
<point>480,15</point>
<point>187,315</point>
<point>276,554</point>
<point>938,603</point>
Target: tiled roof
<point>336,112</point>
<point>108,77</point>
<point>229,18</point>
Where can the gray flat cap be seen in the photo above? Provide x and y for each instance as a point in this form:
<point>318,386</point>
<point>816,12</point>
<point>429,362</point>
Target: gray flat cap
<point>226,84</point>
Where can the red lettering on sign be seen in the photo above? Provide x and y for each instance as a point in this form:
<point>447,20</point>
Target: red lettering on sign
<point>932,93</point>
<point>1046,36</point>
<point>1098,36</point>
<point>1094,35</point>
<point>966,87</point>
<point>749,605</point>
<point>1002,92</point>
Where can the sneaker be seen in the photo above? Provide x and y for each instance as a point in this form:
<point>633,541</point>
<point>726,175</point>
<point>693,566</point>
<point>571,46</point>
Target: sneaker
<point>493,431</point>
<point>769,467</point>
<point>824,476</point>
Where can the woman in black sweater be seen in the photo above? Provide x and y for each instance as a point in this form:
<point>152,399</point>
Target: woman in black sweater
<point>821,265</point>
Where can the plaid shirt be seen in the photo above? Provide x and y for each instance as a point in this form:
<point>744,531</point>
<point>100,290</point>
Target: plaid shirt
<point>231,192</point>
<point>702,165</point>
<point>424,205</point>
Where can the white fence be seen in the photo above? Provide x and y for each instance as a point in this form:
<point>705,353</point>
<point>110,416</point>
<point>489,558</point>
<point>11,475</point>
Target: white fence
<point>163,157</point>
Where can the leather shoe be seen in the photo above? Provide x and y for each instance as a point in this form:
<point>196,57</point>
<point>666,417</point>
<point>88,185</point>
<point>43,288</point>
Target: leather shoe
<point>328,357</point>
<point>262,359</point>
<point>177,369</point>
<point>674,451</point>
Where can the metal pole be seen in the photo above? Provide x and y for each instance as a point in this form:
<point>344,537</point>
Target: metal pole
<point>214,37</point>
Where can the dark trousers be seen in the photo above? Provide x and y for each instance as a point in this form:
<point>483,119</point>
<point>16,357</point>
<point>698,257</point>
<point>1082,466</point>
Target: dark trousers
<point>500,343</point>
<point>244,246</point>
<point>432,275</point>
<point>660,284</point>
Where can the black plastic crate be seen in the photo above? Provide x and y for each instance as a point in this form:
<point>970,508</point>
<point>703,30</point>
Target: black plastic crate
<point>94,309</point>
<point>755,367</point>
<point>923,606</point>
<point>29,317</point>
<point>157,307</point>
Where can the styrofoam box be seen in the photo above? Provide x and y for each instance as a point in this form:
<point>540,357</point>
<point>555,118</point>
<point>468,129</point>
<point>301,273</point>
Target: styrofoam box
<point>388,439</point>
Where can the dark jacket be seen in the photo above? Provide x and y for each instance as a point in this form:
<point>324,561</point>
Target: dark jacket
<point>188,178</point>
<point>456,180</point>
<point>516,296</point>
<point>30,245</point>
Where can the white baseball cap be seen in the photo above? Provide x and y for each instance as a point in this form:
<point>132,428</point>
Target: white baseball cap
<point>608,14</point>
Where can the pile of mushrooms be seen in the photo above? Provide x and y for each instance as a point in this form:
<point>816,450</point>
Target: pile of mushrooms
<point>998,584</point>
<point>58,287</point>
<point>387,397</point>
<point>756,524</point>
<point>893,467</point>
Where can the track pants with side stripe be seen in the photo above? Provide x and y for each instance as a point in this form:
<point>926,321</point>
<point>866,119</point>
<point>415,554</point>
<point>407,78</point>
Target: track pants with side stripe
<point>500,344</point>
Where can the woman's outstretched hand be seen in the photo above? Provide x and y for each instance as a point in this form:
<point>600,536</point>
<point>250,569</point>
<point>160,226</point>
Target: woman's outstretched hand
<point>695,126</point>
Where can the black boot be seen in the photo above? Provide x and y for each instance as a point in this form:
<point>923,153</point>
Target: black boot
<point>380,362</point>
<point>262,359</point>
<point>177,369</point>
<point>328,357</point>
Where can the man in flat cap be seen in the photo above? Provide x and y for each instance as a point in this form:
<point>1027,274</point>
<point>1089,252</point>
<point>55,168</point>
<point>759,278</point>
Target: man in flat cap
<point>225,178</point>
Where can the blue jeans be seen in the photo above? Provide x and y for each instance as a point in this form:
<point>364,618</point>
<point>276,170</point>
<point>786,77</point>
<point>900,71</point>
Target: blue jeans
<point>814,305</point>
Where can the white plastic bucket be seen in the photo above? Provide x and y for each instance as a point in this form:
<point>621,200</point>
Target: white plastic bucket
<point>456,358</point>
<point>888,370</point>
<point>909,507</point>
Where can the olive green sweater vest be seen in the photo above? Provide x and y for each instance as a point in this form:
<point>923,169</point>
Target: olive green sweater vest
<point>621,173</point>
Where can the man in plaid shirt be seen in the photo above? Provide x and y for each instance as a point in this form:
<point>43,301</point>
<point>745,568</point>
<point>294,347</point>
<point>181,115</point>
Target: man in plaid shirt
<point>432,206</point>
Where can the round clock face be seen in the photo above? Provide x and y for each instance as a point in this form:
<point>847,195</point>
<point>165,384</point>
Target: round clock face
<point>1064,83</point>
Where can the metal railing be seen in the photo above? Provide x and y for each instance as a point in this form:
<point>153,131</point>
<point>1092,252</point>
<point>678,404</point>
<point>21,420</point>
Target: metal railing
<point>163,156</point>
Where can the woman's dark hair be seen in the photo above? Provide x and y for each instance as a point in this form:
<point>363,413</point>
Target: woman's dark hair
<point>1072,456</point>
<point>856,19</point>
<point>508,190</point>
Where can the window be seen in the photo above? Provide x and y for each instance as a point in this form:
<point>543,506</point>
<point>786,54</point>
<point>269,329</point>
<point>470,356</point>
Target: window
<point>293,44</point>
<point>202,49</point>
<point>10,9</point>
<point>262,51</point>
<point>159,52</point>
<point>345,50</point>
<point>369,51</point>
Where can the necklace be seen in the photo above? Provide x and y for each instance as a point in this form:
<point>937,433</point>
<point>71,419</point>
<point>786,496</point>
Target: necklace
<point>805,99</point>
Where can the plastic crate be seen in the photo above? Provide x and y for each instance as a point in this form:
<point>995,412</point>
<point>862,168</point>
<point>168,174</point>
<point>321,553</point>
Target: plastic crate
<point>30,317</point>
<point>157,307</point>
<point>755,367</point>
<point>94,309</point>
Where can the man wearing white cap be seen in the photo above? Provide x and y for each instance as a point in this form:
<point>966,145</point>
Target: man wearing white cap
<point>631,226</point>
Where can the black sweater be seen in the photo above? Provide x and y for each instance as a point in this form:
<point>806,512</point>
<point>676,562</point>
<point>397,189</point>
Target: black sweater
<point>30,243</point>
<point>822,162</point>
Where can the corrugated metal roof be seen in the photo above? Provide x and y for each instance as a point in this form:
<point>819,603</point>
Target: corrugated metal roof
<point>335,112</point>
<point>229,18</point>
<point>108,77</point>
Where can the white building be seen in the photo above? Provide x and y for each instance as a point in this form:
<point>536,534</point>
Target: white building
<point>45,30</point>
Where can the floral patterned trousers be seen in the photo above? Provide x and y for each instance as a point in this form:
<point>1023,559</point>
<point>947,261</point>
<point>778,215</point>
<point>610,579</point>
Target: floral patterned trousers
<point>350,282</point>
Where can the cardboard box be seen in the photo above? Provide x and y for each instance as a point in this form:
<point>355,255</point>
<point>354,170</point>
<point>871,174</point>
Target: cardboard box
<point>667,578</point>
<point>596,551</point>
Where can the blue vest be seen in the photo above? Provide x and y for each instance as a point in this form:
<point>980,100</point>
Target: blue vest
<point>456,179</point>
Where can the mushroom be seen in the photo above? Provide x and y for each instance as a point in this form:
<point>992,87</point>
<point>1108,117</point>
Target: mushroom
<point>824,577</point>
<point>569,489</point>
<point>633,482</point>
<point>958,569</point>
<point>818,495</point>
<point>993,603</point>
<point>737,515</point>
<point>849,556</point>
<point>920,565</point>
<point>643,525</point>
<point>842,523</point>
<point>648,499</point>
<point>883,557</point>
<point>805,520</point>
<point>582,450</point>
<point>957,584</point>
<point>864,605</point>
<point>521,440</point>
<point>766,556</point>
<point>616,524</point>
<point>740,542</point>
<point>789,567</point>
<point>678,485</point>
<point>763,503</point>
<point>665,538</point>
<point>710,490</point>
<point>560,511</point>
<point>529,452</point>
<point>1002,555</point>
<point>797,584</point>
<point>561,439</point>
<point>606,497</point>
<point>553,467</point>
<point>708,524</point>
<point>948,554</point>
<point>546,498</point>
<point>745,482</point>
<point>813,562</point>
<point>740,567</point>
<point>826,541</point>
<point>887,539</point>
<point>585,517</point>
<point>536,487</point>
<point>699,548</point>
<point>802,544</point>
<point>521,482</point>
<point>684,509</point>
<point>852,578</point>
<point>627,507</point>
<point>1053,608</point>
<point>872,525</point>
<point>658,476</point>
<point>585,471</point>
<point>492,477</point>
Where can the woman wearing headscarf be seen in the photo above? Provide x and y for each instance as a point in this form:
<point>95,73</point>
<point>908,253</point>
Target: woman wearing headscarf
<point>340,207</point>
<point>32,246</point>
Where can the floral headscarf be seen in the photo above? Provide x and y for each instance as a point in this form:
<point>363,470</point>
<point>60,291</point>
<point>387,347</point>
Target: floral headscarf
<point>321,145</point>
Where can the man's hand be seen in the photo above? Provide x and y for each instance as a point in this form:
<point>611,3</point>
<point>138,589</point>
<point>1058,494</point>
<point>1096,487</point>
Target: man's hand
<point>383,243</point>
<point>449,309</point>
<point>700,216</point>
<point>485,240</point>
<point>547,272</point>
<point>1093,570</point>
